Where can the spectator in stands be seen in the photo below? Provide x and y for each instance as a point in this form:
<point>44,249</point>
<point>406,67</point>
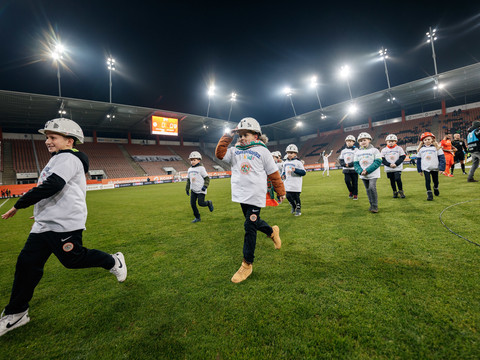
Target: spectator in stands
<point>367,161</point>
<point>473,140</point>
<point>459,156</point>
<point>60,213</point>
<point>197,184</point>
<point>449,152</point>
<point>349,173</point>
<point>252,164</point>
<point>326,165</point>
<point>392,159</point>
<point>3,193</point>
<point>430,160</point>
<point>292,174</point>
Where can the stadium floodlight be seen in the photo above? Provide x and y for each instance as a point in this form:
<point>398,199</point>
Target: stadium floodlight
<point>210,93</point>
<point>323,117</point>
<point>431,37</point>
<point>391,98</point>
<point>299,124</point>
<point>314,84</point>
<point>384,56</point>
<point>227,130</point>
<point>57,55</point>
<point>352,109</point>
<point>233,98</point>
<point>438,86</point>
<point>111,67</point>
<point>288,92</point>
<point>345,74</point>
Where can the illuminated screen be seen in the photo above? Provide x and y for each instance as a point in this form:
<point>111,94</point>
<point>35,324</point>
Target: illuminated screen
<point>164,126</point>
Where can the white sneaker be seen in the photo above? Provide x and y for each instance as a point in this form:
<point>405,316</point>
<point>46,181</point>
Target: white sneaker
<point>12,321</point>
<point>120,268</point>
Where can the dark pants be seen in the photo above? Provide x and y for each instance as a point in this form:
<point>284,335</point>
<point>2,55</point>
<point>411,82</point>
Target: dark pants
<point>294,200</point>
<point>434,175</point>
<point>66,246</point>
<point>395,179</point>
<point>351,179</point>
<point>252,224</point>
<point>201,202</point>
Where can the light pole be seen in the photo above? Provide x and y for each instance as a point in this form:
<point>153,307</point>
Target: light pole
<point>57,55</point>
<point>344,73</point>
<point>431,38</point>
<point>314,84</point>
<point>288,92</point>
<point>211,91</point>
<point>233,98</point>
<point>111,67</point>
<point>384,57</point>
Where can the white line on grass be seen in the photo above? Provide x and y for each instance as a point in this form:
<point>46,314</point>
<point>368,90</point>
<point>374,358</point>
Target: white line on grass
<point>4,203</point>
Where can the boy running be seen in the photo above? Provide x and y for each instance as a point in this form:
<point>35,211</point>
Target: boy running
<point>292,173</point>
<point>252,164</point>
<point>393,157</point>
<point>197,184</point>
<point>60,213</point>
<point>349,173</point>
<point>430,160</point>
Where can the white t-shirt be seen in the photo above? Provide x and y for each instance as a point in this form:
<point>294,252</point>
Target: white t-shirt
<point>196,176</point>
<point>250,168</point>
<point>347,155</point>
<point>66,210</point>
<point>293,182</point>
<point>365,158</point>
<point>429,156</point>
<point>392,155</point>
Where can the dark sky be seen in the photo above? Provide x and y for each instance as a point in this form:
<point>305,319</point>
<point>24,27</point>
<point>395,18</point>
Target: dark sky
<point>168,52</point>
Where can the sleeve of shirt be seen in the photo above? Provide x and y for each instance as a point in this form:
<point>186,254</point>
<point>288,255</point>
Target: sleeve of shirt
<point>299,169</point>
<point>268,163</point>
<point>400,159</point>
<point>222,147</point>
<point>52,185</point>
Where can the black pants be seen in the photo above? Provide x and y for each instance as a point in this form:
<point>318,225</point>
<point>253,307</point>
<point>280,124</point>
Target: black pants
<point>252,224</point>
<point>201,202</point>
<point>294,200</point>
<point>395,179</point>
<point>434,175</point>
<point>66,246</point>
<point>351,180</point>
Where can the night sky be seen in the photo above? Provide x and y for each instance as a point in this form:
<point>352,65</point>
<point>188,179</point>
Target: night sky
<point>168,52</point>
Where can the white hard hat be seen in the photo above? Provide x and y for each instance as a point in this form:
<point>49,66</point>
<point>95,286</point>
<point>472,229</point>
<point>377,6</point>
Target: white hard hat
<point>364,135</point>
<point>195,155</point>
<point>279,154</point>
<point>292,148</point>
<point>249,124</point>
<point>64,127</point>
<point>392,137</point>
<point>350,137</point>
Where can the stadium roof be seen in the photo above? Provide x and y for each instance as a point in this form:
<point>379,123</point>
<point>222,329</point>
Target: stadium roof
<point>23,112</point>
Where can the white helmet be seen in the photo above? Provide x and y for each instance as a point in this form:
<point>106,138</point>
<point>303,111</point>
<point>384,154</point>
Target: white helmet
<point>64,127</point>
<point>195,155</point>
<point>292,148</point>
<point>364,135</point>
<point>279,154</point>
<point>249,124</point>
<point>392,137</point>
<point>350,137</point>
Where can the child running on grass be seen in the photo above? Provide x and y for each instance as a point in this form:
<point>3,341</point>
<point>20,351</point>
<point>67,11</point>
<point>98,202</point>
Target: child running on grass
<point>252,164</point>
<point>292,173</point>
<point>349,173</point>
<point>367,162</point>
<point>393,157</point>
<point>197,184</point>
<point>60,213</point>
<point>430,160</point>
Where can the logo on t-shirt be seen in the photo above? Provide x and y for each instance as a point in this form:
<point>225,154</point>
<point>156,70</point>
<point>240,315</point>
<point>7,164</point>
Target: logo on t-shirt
<point>245,168</point>
<point>428,157</point>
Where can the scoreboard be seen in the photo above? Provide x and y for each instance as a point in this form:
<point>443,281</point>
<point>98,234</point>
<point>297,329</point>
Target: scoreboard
<point>164,126</point>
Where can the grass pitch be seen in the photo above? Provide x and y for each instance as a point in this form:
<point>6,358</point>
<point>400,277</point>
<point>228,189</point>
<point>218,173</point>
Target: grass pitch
<point>346,284</point>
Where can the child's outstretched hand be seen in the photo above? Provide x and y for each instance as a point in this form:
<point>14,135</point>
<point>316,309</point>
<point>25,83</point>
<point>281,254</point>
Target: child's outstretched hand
<point>10,213</point>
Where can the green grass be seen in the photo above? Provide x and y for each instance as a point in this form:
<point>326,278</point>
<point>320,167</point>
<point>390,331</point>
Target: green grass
<point>347,284</point>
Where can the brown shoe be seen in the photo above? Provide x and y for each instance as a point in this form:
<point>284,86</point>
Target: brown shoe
<point>276,237</point>
<point>244,272</point>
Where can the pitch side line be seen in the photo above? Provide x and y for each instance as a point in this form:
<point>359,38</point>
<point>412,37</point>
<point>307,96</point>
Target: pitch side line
<point>3,203</point>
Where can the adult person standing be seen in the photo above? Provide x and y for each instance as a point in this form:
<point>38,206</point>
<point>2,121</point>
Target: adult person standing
<point>473,141</point>
<point>459,144</point>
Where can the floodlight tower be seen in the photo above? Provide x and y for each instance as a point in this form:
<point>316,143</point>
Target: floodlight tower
<point>345,73</point>
<point>431,37</point>
<point>111,67</point>
<point>288,92</point>
<point>314,84</point>
<point>384,56</point>
<point>57,55</point>
<point>233,98</point>
<point>211,92</point>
